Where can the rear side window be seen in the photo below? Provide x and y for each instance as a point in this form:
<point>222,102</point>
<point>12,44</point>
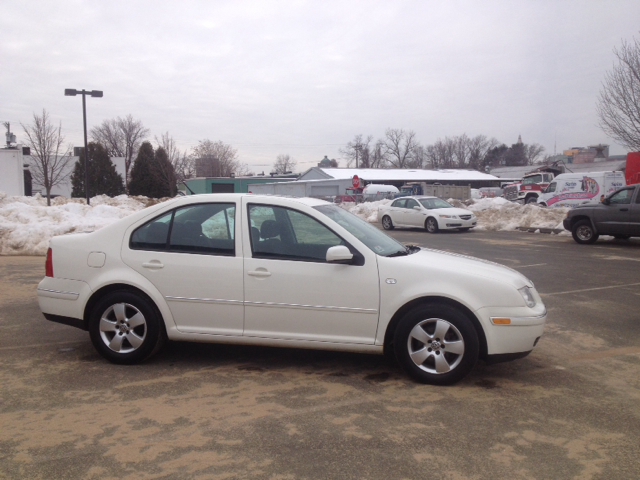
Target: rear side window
<point>204,228</point>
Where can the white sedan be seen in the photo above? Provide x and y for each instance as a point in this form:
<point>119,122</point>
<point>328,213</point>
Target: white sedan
<point>285,272</point>
<point>431,213</point>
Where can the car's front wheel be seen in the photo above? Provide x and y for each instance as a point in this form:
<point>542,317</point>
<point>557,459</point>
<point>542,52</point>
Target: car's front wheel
<point>584,233</point>
<point>126,328</point>
<point>431,224</point>
<point>387,224</point>
<point>436,344</point>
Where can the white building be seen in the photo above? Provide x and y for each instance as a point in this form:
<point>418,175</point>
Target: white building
<point>12,171</point>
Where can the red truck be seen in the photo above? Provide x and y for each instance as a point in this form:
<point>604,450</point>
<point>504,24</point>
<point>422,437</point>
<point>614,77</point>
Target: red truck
<point>529,188</point>
<point>632,172</point>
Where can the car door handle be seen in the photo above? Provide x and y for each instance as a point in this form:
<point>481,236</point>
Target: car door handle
<point>153,265</point>
<point>259,273</point>
<point>624,209</point>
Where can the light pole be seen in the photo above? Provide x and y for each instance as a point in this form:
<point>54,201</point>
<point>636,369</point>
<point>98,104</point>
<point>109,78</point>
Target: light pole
<point>72,92</point>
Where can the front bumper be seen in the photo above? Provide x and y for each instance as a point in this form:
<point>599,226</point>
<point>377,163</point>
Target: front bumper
<point>449,223</point>
<point>521,335</point>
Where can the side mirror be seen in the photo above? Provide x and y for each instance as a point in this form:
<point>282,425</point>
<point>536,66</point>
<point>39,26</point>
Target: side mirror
<point>606,201</point>
<point>417,208</point>
<point>339,254</point>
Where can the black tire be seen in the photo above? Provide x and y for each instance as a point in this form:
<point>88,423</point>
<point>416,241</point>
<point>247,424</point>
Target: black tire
<point>622,237</point>
<point>387,224</point>
<point>421,342</point>
<point>542,204</point>
<point>132,328</point>
<point>531,200</point>
<point>466,229</point>
<point>431,225</point>
<point>584,233</point>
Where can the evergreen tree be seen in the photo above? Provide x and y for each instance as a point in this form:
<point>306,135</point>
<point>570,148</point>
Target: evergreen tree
<point>143,180</point>
<point>167,176</point>
<point>152,174</point>
<point>103,178</point>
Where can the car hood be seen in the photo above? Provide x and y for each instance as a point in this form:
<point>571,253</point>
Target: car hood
<point>456,264</point>
<point>450,211</point>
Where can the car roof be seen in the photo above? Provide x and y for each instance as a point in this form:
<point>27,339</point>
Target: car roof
<point>312,202</point>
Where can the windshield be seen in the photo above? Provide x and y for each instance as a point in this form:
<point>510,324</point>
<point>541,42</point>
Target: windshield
<point>364,231</point>
<point>431,203</point>
<point>532,179</point>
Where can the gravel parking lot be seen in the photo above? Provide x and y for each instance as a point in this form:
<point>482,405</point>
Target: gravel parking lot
<point>571,409</point>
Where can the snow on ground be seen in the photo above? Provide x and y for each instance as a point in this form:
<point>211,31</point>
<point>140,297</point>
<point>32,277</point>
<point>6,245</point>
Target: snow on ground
<point>27,224</point>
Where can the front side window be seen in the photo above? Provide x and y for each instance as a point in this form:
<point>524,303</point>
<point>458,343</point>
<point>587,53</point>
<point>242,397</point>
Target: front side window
<point>623,197</point>
<point>207,228</point>
<point>551,188</point>
<point>278,232</point>
<point>532,179</point>
<point>431,203</point>
<point>411,203</point>
<point>638,196</point>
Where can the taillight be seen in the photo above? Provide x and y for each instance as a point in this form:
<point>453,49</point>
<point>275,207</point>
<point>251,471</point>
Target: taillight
<point>48,266</point>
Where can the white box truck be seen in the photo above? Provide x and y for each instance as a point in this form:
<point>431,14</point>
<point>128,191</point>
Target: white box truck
<point>570,189</point>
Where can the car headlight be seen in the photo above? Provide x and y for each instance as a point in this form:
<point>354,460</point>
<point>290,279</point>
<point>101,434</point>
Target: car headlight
<point>447,216</point>
<point>528,296</point>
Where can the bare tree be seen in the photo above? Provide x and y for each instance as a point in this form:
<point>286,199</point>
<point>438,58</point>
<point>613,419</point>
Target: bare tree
<point>50,159</point>
<point>479,146</point>
<point>441,154</point>
<point>618,104</point>
<point>122,137</point>
<point>358,152</point>
<point>532,152</point>
<point>461,152</point>
<point>217,158</point>
<point>284,164</point>
<point>183,163</point>
<point>399,147</point>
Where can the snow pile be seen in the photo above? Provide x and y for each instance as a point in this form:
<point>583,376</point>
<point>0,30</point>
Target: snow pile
<point>367,210</point>
<point>27,223</point>
<point>493,213</point>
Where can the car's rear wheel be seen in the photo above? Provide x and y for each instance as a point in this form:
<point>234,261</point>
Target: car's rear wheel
<point>584,233</point>
<point>387,224</point>
<point>436,344</point>
<point>126,328</point>
<point>431,224</point>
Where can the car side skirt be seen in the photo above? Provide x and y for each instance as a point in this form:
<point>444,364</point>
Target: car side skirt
<point>173,334</point>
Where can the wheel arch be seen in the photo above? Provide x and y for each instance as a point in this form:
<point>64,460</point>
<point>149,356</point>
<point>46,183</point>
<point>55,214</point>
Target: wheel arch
<point>579,218</point>
<point>529,196</point>
<point>402,311</point>
<point>114,287</point>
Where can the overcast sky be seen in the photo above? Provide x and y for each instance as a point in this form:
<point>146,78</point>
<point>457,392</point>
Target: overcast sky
<point>304,77</point>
